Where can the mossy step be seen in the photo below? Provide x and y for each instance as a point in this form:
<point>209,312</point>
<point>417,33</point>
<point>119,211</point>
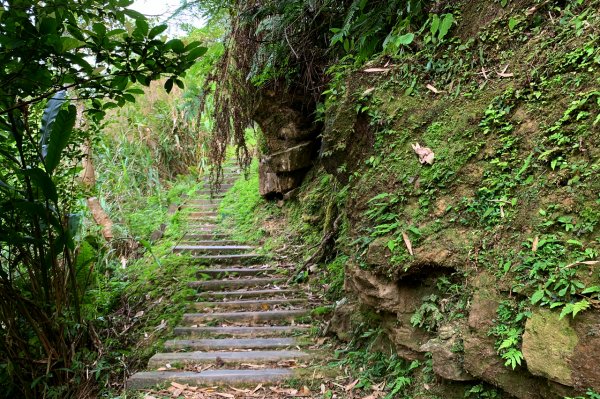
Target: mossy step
<point>257,304</point>
<point>233,331</point>
<point>200,214</point>
<point>226,357</point>
<point>235,271</point>
<point>239,283</point>
<point>221,377</point>
<point>229,258</point>
<point>209,242</point>
<point>231,343</point>
<point>206,236</point>
<point>240,294</point>
<point>202,219</point>
<point>246,317</point>
<point>212,248</point>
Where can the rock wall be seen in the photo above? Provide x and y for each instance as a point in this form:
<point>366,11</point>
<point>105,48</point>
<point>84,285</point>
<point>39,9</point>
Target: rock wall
<point>289,142</point>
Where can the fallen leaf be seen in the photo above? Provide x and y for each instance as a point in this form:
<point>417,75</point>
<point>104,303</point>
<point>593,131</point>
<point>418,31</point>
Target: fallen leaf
<point>373,70</point>
<point>178,386</point>
<point>368,91</point>
<point>224,395</point>
<point>534,246</point>
<point>304,391</point>
<point>351,386</point>
<point>407,243</point>
<point>177,392</point>
<point>426,156</point>
<point>505,75</point>
<point>258,387</point>
<point>433,89</point>
<point>149,397</point>
<point>139,314</point>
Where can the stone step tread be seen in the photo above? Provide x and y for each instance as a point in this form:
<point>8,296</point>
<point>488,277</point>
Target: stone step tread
<point>236,271</point>
<point>258,304</point>
<point>232,256</point>
<point>212,247</point>
<point>223,377</point>
<point>237,331</point>
<point>250,293</point>
<point>197,357</point>
<point>236,283</point>
<point>192,236</point>
<point>231,343</point>
<point>210,242</point>
<point>246,316</point>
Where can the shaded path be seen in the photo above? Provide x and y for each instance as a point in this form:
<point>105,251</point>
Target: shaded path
<point>244,326</point>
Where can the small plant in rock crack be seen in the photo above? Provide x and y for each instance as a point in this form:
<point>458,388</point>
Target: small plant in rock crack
<point>428,315</point>
<point>482,391</point>
<point>508,330</point>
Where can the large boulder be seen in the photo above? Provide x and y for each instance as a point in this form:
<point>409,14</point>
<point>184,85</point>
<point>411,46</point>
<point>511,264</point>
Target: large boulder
<point>564,350</point>
<point>291,159</point>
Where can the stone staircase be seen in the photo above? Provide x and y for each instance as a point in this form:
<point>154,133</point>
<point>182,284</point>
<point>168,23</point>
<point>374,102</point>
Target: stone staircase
<point>244,325</point>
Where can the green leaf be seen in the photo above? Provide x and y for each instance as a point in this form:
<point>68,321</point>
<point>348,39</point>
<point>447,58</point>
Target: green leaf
<point>60,136</point>
<point>48,118</point>
<point>157,30</point>
<point>405,39</point>
<point>179,84</point>
<point>194,54</point>
<point>512,23</point>
<point>134,14</point>
<point>537,296</point>
<point>445,25</point>
<point>42,180</point>
<point>176,45</point>
<point>435,24</point>
<point>70,43</point>
<point>169,85</point>
<point>591,290</point>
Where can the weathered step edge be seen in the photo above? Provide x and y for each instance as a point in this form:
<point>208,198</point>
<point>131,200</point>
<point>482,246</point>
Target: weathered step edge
<point>259,331</point>
<point>223,377</point>
<point>269,315</point>
<point>227,357</point>
<point>231,343</point>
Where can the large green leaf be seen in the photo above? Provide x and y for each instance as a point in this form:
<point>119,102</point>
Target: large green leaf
<point>43,181</point>
<point>49,117</point>
<point>59,138</point>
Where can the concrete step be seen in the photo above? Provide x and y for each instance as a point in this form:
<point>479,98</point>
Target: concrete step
<point>202,220</point>
<point>235,271</point>
<point>206,236</point>
<point>212,248</point>
<point>256,304</point>
<point>182,358</point>
<point>230,344</point>
<point>251,318</point>
<point>240,294</point>
<point>221,377</point>
<point>209,242</point>
<point>248,257</point>
<point>201,214</point>
<point>238,283</point>
<point>233,331</point>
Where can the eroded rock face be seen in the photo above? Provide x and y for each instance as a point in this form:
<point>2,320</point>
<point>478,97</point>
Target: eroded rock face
<point>566,350</point>
<point>290,142</point>
<point>446,350</point>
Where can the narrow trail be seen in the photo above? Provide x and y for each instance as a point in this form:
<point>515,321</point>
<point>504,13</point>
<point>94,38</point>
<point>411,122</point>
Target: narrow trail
<point>245,323</point>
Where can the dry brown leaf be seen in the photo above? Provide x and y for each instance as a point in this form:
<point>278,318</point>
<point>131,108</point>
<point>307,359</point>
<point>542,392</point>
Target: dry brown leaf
<point>176,392</point>
<point>351,386</point>
<point>505,75</point>
<point>433,89</point>
<point>426,155</point>
<point>534,246</point>
<point>224,395</point>
<point>374,70</point>
<point>304,391</point>
<point>368,91</point>
<point>178,386</point>
<point>407,243</point>
<point>258,387</point>
<point>149,397</point>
